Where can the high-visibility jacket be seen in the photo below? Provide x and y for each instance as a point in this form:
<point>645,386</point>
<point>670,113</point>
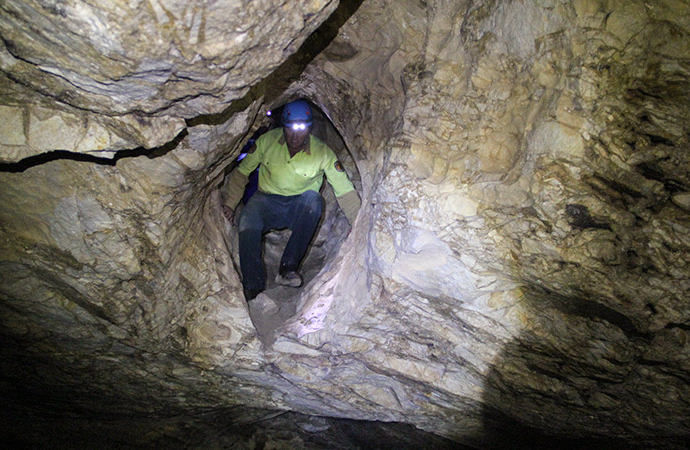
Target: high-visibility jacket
<point>283,175</point>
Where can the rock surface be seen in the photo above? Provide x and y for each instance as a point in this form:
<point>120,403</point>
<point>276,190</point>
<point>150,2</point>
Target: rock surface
<point>113,75</point>
<point>518,272</point>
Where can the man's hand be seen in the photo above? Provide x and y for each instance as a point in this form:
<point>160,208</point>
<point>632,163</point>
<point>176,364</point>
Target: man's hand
<point>229,214</point>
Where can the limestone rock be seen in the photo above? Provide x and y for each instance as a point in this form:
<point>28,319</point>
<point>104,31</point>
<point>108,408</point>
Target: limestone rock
<point>519,269</point>
<point>184,58</point>
<point>33,131</point>
<point>113,75</point>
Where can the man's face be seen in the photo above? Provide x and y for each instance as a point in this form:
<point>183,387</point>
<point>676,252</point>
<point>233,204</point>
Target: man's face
<point>296,137</point>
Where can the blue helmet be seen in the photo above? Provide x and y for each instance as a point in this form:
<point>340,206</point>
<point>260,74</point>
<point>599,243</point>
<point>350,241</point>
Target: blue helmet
<point>297,114</point>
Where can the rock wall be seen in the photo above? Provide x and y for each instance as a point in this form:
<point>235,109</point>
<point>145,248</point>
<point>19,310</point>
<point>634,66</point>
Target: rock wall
<point>100,76</point>
<point>518,269</point>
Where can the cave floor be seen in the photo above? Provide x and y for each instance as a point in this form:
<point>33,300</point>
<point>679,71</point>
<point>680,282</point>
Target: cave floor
<point>273,307</point>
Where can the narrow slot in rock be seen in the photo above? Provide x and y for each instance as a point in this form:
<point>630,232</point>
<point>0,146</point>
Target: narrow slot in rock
<point>277,303</point>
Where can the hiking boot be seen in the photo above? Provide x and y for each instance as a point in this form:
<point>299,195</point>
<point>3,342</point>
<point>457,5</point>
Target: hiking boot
<point>290,278</point>
<point>250,294</point>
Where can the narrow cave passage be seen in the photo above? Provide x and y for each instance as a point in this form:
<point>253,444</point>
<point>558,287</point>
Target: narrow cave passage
<point>517,277</point>
<point>277,303</point>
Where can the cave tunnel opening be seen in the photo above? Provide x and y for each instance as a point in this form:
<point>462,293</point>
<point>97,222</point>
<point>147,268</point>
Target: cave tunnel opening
<point>278,303</point>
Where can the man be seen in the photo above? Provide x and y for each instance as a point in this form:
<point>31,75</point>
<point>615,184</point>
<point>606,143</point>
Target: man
<point>292,164</point>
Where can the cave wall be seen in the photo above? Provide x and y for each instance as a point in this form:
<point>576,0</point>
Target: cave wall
<point>518,199</point>
<point>525,222</point>
<point>520,259</point>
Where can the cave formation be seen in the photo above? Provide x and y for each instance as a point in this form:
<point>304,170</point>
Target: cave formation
<point>517,276</point>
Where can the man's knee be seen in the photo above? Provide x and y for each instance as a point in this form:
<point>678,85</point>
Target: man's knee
<point>312,201</point>
<point>249,220</point>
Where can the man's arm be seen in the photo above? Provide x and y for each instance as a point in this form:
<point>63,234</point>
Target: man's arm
<point>232,193</point>
<point>234,188</point>
<point>350,203</point>
<point>343,188</point>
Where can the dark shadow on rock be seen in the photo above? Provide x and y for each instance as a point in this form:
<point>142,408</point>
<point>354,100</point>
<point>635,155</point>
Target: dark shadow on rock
<point>294,430</point>
<point>580,381</point>
<point>228,428</point>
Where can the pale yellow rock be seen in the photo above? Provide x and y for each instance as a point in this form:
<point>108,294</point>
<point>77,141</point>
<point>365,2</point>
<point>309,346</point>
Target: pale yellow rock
<point>498,152</point>
<point>682,199</point>
<point>14,153</point>
<point>439,170</point>
<point>95,138</point>
<point>384,396</point>
<point>510,194</point>
<point>557,140</point>
<point>55,129</point>
<point>51,130</point>
<point>584,8</point>
<point>421,162</point>
<point>481,81</point>
<point>286,346</point>
<point>547,76</point>
<point>568,115</point>
<point>459,205</point>
<point>12,126</point>
<point>627,21</point>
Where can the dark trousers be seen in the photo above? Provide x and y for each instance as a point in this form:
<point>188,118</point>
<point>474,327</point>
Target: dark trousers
<point>264,212</point>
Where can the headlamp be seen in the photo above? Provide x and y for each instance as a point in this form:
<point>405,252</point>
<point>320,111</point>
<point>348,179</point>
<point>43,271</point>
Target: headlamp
<point>298,126</point>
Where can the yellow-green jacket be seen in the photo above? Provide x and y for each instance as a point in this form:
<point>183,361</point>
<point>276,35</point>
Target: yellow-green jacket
<point>282,175</point>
